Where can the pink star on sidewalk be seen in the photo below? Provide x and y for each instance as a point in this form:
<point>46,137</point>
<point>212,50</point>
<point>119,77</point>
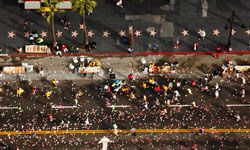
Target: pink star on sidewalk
<point>122,33</point>
<point>81,27</point>
<point>105,34</point>
<point>74,34</point>
<point>59,34</point>
<point>137,33</point>
<point>184,32</point>
<point>233,32</point>
<point>152,33</point>
<point>90,33</point>
<point>27,34</point>
<point>247,32</point>
<point>216,32</point>
<point>43,34</point>
<point>11,34</point>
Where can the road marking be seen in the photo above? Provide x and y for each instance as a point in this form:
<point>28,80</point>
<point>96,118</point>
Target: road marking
<point>62,107</point>
<point>238,105</point>
<point>119,106</point>
<point>124,131</point>
<point>5,108</point>
<point>180,106</point>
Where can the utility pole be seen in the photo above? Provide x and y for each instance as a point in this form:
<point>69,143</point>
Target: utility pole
<point>131,36</point>
<point>231,20</point>
<point>230,30</point>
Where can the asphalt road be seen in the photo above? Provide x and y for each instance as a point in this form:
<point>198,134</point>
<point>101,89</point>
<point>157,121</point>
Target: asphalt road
<point>210,113</point>
<point>127,141</point>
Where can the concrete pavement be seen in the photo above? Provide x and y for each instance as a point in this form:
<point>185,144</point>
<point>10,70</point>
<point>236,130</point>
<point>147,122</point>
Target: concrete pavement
<point>58,67</point>
<point>167,18</point>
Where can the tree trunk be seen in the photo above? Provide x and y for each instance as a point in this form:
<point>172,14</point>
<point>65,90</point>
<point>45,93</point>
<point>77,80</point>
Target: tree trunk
<point>53,32</point>
<point>85,30</point>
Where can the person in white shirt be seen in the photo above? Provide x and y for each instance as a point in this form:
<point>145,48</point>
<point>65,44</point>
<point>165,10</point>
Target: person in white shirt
<point>202,35</point>
<point>178,84</point>
<point>87,121</point>
<point>130,49</point>
<point>243,80</point>
<point>177,94</point>
<point>238,118</point>
<point>189,91</point>
<point>146,105</point>
<point>119,3</point>
<point>217,86</point>
<point>216,94</point>
<point>242,92</point>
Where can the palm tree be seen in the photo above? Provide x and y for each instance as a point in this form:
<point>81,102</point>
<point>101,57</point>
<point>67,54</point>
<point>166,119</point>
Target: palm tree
<point>51,8</point>
<point>84,7</point>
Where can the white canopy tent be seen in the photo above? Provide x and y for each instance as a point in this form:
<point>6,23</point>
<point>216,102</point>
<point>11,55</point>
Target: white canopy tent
<point>36,4</point>
<point>32,4</point>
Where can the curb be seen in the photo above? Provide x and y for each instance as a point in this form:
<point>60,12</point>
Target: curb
<point>117,54</point>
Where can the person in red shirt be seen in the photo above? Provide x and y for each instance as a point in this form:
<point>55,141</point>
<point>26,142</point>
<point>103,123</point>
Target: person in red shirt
<point>217,55</point>
<point>193,83</point>
<point>64,48</point>
<point>157,88</point>
<point>131,77</point>
<point>218,51</point>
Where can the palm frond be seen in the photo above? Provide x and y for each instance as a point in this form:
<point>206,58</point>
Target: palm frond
<point>83,6</point>
<point>49,18</point>
<point>93,3</point>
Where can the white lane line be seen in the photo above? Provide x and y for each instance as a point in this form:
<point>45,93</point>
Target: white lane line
<point>62,107</point>
<point>5,108</point>
<point>180,106</point>
<point>117,106</point>
<point>238,105</point>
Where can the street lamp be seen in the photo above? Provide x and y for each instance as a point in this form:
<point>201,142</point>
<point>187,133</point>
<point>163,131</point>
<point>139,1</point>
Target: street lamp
<point>231,21</point>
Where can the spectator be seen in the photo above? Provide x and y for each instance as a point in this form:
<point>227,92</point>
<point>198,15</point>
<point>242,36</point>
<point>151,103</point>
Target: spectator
<point>119,3</point>
<point>130,49</point>
<point>19,50</point>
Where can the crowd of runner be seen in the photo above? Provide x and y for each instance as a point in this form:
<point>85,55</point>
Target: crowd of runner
<point>145,103</point>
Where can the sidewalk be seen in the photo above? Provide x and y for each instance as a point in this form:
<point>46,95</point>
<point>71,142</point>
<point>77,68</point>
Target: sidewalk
<point>167,21</point>
<point>58,67</point>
